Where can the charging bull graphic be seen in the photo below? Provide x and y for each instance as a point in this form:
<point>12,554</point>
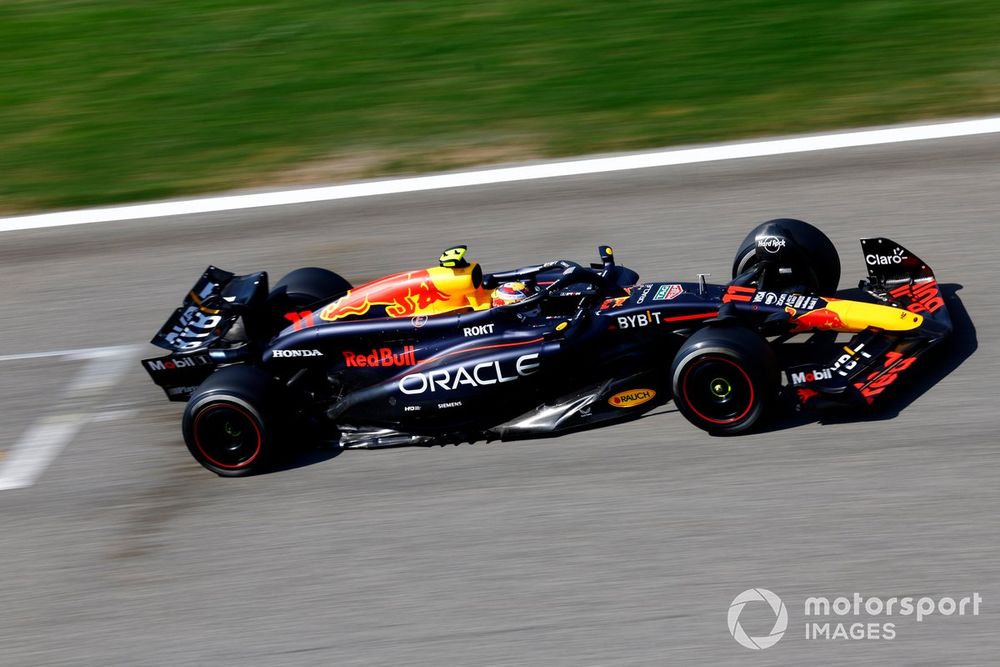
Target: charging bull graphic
<point>823,319</point>
<point>402,294</point>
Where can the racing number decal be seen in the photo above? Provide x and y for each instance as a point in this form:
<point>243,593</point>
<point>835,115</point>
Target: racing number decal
<point>300,320</point>
<point>893,366</point>
<point>738,293</point>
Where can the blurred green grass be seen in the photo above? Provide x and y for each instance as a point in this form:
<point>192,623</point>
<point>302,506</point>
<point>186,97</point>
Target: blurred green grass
<point>107,101</point>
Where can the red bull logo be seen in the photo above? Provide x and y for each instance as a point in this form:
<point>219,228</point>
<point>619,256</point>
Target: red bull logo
<point>382,357</point>
<point>402,294</point>
<point>922,297</point>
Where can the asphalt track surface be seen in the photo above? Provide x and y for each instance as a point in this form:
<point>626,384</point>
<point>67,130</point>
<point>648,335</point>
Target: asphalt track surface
<point>618,546</point>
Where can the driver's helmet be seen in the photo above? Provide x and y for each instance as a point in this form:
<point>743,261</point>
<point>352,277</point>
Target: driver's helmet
<point>507,294</point>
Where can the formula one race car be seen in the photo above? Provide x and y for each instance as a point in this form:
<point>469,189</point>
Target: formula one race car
<point>430,357</point>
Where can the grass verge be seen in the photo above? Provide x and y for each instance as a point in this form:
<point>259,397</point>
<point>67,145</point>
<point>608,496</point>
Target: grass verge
<point>111,100</point>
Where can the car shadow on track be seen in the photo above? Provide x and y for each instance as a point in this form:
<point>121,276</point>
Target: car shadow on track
<point>320,452</point>
<point>307,455</point>
<point>928,371</point>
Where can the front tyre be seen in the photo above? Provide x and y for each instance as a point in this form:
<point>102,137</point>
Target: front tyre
<point>230,423</point>
<point>797,255</point>
<point>724,379</point>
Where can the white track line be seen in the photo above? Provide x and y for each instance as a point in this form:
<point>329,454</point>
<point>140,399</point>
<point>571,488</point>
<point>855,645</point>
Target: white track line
<point>100,374</point>
<point>37,448</point>
<point>663,158</point>
<point>82,353</point>
<point>47,437</point>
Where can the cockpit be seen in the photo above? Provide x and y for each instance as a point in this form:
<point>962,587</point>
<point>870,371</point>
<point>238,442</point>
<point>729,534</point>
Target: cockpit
<point>457,285</point>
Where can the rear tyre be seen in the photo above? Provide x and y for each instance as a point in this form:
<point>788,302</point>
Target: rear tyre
<point>724,379</point>
<point>231,423</point>
<point>803,256</point>
<point>301,289</point>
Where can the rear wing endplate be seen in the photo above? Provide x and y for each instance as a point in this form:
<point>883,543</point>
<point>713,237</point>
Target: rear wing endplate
<point>210,309</point>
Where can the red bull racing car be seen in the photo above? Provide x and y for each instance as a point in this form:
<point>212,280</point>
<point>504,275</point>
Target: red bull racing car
<point>432,357</point>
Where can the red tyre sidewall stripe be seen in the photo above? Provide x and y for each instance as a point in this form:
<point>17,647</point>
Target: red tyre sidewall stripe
<point>721,422</point>
<point>245,413</point>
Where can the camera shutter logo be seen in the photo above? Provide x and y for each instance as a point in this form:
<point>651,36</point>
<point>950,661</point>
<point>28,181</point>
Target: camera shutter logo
<point>780,618</point>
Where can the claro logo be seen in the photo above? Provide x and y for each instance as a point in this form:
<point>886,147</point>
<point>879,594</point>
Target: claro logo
<point>478,375</point>
<point>896,257</point>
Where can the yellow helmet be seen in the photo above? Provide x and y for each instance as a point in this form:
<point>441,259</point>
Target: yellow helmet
<point>510,293</point>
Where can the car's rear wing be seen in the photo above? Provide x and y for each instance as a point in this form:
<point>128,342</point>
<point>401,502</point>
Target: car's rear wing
<point>209,311</point>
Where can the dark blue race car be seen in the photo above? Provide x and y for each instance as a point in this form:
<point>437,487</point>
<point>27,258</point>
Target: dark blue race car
<point>431,356</point>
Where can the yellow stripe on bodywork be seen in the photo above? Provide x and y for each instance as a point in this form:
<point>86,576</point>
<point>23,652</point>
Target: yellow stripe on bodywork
<point>858,316</point>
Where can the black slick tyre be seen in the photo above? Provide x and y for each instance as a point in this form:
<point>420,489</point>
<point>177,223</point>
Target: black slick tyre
<point>231,424</point>
<point>724,378</point>
<point>801,254</point>
<point>301,289</point>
